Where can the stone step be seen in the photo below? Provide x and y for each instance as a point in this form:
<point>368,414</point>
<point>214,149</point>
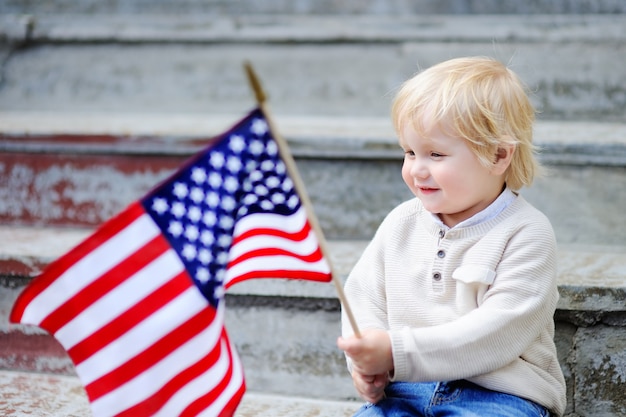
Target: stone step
<point>345,7</point>
<point>294,353</point>
<point>311,65</point>
<point>26,394</point>
<point>60,173</point>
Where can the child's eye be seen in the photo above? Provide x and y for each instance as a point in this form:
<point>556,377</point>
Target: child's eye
<point>409,153</point>
<point>436,155</point>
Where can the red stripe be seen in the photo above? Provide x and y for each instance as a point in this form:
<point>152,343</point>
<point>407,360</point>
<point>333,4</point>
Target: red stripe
<point>126,321</point>
<point>311,258</point>
<point>57,268</point>
<point>295,236</point>
<point>104,284</point>
<point>152,355</point>
<point>152,404</point>
<point>209,398</point>
<point>281,273</point>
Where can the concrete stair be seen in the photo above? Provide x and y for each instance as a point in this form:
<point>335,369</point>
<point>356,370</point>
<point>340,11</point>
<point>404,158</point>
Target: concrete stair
<point>97,107</point>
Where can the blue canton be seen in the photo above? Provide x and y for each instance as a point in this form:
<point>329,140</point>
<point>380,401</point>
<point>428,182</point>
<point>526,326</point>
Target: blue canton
<point>197,208</point>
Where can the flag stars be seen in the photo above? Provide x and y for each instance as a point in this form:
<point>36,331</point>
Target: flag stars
<point>209,218</point>
<point>256,147</point>
<point>178,209</point>
<point>202,275</point>
<point>180,190</point>
<point>237,143</point>
<point>207,238</point>
<point>215,180</point>
<point>217,160</point>
<point>204,256</point>
<point>189,252</point>
<point>196,195</point>
<point>194,214</point>
<point>198,175</point>
<point>192,233</point>
<point>160,205</point>
<point>259,127</point>
<point>175,228</point>
<point>234,164</point>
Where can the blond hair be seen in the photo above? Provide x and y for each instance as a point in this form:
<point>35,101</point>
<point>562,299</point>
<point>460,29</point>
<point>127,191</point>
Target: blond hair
<point>478,99</point>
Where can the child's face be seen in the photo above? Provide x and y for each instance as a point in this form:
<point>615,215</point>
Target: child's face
<point>444,173</point>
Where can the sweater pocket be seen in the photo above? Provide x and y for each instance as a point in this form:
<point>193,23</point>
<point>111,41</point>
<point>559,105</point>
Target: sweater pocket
<point>472,281</point>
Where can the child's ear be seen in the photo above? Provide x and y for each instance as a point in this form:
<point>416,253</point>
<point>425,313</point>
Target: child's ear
<point>503,157</point>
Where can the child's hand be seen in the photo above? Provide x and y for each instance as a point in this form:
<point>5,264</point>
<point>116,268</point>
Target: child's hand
<point>370,353</point>
<point>370,388</point>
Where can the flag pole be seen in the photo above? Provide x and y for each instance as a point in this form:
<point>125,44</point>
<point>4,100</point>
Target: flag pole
<point>283,148</point>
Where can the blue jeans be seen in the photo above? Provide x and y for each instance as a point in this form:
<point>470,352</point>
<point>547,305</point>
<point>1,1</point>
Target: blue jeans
<point>456,398</point>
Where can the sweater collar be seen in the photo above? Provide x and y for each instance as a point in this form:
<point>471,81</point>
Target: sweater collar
<point>503,201</point>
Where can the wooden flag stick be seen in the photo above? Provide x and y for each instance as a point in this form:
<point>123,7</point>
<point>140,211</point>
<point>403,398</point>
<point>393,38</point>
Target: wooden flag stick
<point>283,149</point>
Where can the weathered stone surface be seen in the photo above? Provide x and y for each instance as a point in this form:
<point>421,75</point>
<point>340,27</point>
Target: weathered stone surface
<point>600,371</point>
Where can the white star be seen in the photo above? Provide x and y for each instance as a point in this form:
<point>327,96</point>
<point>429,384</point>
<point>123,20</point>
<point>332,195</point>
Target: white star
<point>287,184</point>
<point>159,205</point>
<point>259,127</point>
<point>202,275</point>
<point>231,184</point>
<point>215,180</point>
<point>198,175</point>
<point>204,256</point>
<point>196,195</point>
<point>194,214</point>
<point>224,240</point>
<point>222,258</point>
<point>256,147</point>
<point>178,209</point>
<point>212,199</point>
<point>256,176</point>
<point>226,222</point>
<point>293,201</point>
<point>278,198</point>
<point>217,160</point>
<point>237,143</point>
<point>272,148</point>
<point>175,228</point>
<point>220,276</point>
<point>228,203</point>
<point>180,190</point>
<point>189,252</point>
<point>280,167</point>
<point>272,182</point>
<point>267,165</point>
<point>218,293</point>
<point>260,190</point>
<point>250,199</point>
<point>191,233</point>
<point>267,205</point>
<point>209,218</point>
<point>207,238</point>
<point>234,164</point>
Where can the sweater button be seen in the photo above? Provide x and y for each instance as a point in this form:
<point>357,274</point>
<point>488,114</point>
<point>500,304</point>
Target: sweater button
<point>442,233</point>
<point>437,276</point>
<point>441,254</point>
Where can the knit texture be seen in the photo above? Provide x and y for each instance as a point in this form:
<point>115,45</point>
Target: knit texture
<point>473,303</point>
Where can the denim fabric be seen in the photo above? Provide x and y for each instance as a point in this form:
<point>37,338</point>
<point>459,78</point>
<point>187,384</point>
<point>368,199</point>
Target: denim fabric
<point>456,398</point>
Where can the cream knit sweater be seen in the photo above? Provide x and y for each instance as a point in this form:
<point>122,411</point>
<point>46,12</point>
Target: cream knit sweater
<point>473,303</point>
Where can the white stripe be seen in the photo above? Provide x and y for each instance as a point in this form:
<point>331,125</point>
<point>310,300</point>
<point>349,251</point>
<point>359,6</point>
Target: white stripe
<point>230,390</point>
<point>289,224</point>
<point>272,263</point>
<point>302,247</point>
<point>91,267</point>
<point>142,336</point>
<point>203,384</point>
<point>153,379</point>
<point>120,299</point>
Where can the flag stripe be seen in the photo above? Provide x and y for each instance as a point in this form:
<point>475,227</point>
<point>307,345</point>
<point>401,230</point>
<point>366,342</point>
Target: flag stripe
<point>26,302</point>
<point>124,296</point>
<point>142,336</point>
<point>91,266</point>
<point>151,388</point>
<point>103,284</point>
<point>229,397</point>
<point>125,322</point>
<point>151,354</point>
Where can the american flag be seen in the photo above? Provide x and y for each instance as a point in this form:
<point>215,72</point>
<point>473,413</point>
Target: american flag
<point>139,304</point>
